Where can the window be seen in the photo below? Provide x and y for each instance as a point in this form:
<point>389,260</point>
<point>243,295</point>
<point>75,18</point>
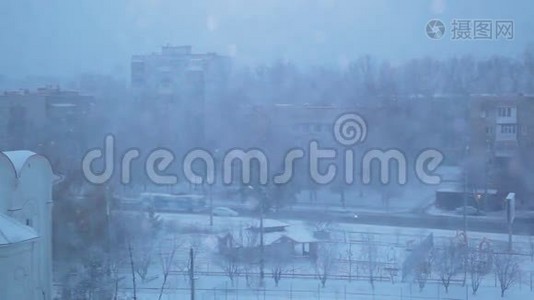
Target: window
<point>508,128</point>
<point>504,111</point>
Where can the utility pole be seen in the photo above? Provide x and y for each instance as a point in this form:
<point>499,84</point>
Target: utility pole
<point>465,189</point>
<point>486,171</point>
<point>262,274</point>
<point>510,217</point>
<point>215,160</point>
<point>466,166</point>
<point>510,237</point>
<point>263,198</point>
<point>134,285</point>
<point>211,205</point>
<point>192,273</point>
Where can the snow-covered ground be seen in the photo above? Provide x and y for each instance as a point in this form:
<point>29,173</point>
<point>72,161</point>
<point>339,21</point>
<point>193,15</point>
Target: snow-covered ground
<point>299,280</point>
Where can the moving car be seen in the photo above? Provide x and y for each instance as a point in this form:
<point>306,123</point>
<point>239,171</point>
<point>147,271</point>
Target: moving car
<point>343,213</point>
<point>224,212</point>
<point>173,202</point>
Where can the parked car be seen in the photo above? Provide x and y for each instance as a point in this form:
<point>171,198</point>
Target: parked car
<point>224,212</point>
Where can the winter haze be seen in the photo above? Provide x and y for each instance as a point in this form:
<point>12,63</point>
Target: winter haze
<point>237,149</point>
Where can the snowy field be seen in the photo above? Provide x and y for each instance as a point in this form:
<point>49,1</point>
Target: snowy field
<point>348,277</point>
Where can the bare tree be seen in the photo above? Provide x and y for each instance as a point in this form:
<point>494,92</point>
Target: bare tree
<point>350,258</point>
<point>423,269</point>
<point>449,261</point>
<point>114,262</point>
<point>370,257</point>
<point>91,279</point>
<point>143,259</point>
<point>392,259</point>
<point>325,262</point>
<point>479,264</point>
<point>278,270</point>
<point>194,243</point>
<point>248,270</point>
<point>322,228</point>
<point>231,267</point>
<point>167,259</point>
<point>506,270</point>
<point>132,267</point>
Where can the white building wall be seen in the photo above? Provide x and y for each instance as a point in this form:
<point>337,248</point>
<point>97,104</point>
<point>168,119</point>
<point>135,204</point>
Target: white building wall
<point>17,279</point>
<point>26,191</point>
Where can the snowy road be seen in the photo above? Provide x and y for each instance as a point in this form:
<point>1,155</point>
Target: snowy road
<point>474,223</point>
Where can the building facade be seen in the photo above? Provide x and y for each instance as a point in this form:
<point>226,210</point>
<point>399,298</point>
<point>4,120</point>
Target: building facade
<point>500,144</point>
<point>49,121</point>
<point>178,90</point>
<point>25,226</point>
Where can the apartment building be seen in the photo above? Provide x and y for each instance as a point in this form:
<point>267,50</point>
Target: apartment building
<point>178,89</point>
<point>501,143</point>
<point>48,120</point>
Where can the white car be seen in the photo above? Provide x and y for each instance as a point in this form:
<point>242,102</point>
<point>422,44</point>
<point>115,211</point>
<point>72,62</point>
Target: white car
<point>224,212</point>
<point>344,213</point>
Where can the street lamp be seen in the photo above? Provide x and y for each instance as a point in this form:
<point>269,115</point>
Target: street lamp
<point>215,158</point>
<point>466,168</point>
<point>487,170</point>
<point>465,188</point>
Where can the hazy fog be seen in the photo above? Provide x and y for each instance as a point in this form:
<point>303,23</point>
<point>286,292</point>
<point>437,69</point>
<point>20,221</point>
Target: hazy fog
<point>64,38</point>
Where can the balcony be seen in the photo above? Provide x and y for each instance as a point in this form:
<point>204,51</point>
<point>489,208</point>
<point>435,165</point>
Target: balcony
<point>506,115</point>
<point>506,148</point>
<point>506,132</point>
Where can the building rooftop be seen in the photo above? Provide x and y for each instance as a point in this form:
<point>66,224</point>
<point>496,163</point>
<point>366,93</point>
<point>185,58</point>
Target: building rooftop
<point>12,232</point>
<point>268,223</point>
<point>18,158</point>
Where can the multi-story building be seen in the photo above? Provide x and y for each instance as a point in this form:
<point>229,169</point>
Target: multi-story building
<point>49,121</point>
<point>178,88</point>
<point>501,143</point>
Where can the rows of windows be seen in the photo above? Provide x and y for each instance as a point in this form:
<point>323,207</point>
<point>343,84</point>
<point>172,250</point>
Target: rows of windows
<point>504,111</point>
<point>507,129</point>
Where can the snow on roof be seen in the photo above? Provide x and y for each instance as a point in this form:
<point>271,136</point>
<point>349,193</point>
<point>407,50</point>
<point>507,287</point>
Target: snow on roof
<point>269,223</point>
<point>450,173</point>
<point>300,234</point>
<point>271,237</point>
<point>18,158</point>
<point>296,233</point>
<point>451,186</point>
<point>60,105</point>
<point>11,231</point>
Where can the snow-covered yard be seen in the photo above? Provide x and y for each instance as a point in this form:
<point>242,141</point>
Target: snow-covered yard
<point>348,275</point>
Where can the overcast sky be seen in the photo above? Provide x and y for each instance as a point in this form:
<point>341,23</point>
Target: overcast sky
<point>67,37</point>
